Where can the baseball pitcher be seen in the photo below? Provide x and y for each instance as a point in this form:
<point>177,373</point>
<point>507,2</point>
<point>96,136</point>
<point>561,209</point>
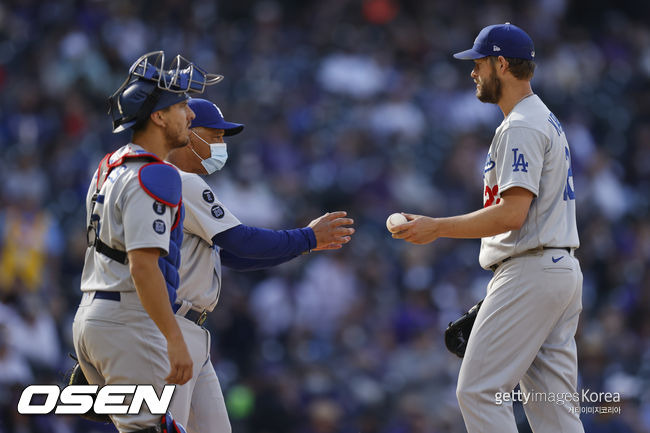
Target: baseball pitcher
<point>524,330</point>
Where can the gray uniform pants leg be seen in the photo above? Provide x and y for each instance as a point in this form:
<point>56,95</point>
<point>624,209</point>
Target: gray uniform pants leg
<point>118,343</point>
<point>524,333</point>
<point>199,404</point>
<point>208,412</point>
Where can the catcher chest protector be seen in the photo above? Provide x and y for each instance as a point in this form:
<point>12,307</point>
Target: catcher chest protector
<point>162,182</point>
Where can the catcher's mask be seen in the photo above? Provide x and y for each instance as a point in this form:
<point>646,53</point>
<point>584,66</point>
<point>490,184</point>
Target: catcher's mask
<point>149,88</point>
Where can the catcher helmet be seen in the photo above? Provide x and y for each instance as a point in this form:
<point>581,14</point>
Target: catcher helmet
<point>149,88</point>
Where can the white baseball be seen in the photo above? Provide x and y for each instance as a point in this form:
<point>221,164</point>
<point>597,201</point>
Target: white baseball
<point>394,220</point>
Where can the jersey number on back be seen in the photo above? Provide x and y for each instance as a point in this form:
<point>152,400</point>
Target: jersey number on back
<point>569,193</point>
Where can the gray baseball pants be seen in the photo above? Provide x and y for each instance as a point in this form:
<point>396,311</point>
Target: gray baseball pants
<point>118,343</point>
<point>524,333</point>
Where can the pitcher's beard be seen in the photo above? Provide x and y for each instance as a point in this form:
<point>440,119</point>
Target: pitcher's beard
<point>490,91</point>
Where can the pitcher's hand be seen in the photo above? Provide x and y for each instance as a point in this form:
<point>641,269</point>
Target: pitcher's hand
<point>418,230</point>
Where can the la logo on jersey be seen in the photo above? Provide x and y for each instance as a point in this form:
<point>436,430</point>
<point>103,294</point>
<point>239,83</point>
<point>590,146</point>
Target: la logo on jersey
<point>79,399</point>
<point>519,161</point>
<point>489,163</point>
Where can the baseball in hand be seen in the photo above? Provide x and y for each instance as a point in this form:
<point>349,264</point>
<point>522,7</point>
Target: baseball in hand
<point>394,220</point>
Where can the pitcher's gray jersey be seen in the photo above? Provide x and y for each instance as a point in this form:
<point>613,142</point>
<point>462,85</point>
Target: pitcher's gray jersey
<point>129,219</point>
<point>524,331</point>
<point>205,216</point>
<point>530,150</point>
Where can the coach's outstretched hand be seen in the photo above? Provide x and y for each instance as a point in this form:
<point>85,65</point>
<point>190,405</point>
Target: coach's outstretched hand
<point>330,230</point>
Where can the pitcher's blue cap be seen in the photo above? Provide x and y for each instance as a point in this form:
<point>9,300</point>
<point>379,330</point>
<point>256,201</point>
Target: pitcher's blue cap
<point>505,40</point>
<point>208,115</point>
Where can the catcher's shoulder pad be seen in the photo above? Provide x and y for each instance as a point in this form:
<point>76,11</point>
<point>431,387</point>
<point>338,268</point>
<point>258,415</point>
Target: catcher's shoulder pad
<point>162,182</point>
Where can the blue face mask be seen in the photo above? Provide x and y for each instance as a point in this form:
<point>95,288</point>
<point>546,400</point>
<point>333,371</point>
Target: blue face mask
<point>218,156</point>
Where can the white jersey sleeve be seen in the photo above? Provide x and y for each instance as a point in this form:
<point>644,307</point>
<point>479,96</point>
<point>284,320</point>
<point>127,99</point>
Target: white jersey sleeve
<point>519,155</point>
<point>205,216</point>
<point>147,222</point>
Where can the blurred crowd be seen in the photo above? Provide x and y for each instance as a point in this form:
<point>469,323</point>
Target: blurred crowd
<point>352,105</point>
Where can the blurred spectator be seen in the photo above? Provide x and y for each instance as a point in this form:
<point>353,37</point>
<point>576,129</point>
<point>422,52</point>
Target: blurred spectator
<point>324,295</point>
<point>34,335</point>
<point>14,369</point>
<point>30,239</point>
<point>324,417</point>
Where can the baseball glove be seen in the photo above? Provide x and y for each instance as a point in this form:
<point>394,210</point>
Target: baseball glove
<point>75,376</point>
<point>457,333</point>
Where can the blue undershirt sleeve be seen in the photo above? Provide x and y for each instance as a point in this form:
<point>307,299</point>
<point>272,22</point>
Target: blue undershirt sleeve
<point>237,263</point>
<point>256,243</point>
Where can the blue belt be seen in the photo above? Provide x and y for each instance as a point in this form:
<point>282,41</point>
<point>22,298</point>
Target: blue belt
<point>191,315</point>
<point>196,317</point>
<point>111,296</point>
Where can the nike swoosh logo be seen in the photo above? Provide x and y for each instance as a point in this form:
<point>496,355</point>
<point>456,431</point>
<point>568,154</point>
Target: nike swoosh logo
<point>557,260</point>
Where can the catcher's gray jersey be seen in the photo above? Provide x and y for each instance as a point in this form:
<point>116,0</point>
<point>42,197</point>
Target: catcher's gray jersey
<point>205,216</point>
<point>130,219</point>
<point>530,150</point>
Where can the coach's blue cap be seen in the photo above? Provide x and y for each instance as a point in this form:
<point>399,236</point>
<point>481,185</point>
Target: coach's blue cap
<point>208,115</point>
<point>505,40</point>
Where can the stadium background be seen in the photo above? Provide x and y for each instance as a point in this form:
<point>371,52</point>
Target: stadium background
<point>348,104</point>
